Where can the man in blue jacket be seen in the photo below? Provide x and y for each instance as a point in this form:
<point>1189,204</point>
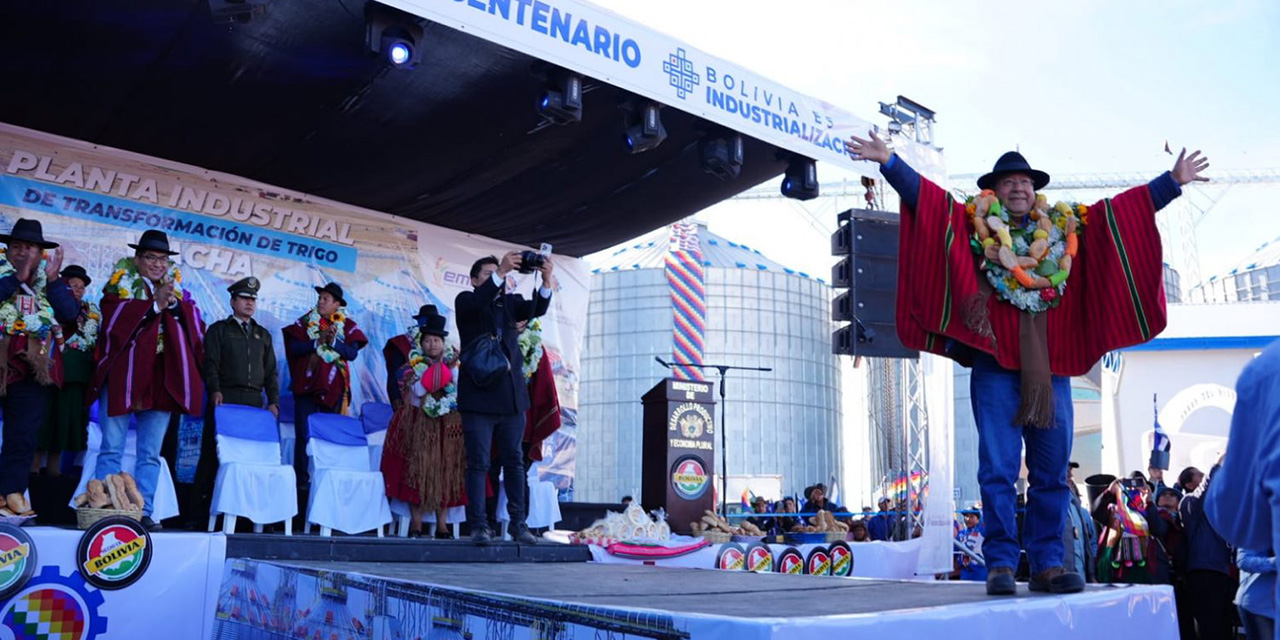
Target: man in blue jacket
<point>1243,501</point>
<point>493,415</point>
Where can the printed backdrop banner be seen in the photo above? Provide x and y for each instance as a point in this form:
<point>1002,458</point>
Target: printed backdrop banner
<point>95,201</point>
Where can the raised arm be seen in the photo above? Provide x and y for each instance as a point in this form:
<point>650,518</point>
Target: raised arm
<point>895,170</point>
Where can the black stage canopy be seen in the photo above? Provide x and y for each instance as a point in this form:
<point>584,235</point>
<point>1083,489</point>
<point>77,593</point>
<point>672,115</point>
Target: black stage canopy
<point>294,98</point>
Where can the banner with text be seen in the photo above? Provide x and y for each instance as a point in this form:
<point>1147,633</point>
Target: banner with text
<point>583,37</point>
<point>95,201</point>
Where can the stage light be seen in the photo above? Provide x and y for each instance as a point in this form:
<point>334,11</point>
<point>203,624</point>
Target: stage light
<point>399,53</point>
<point>394,35</point>
<point>646,134</point>
<point>801,180</point>
<point>722,156</point>
<point>561,103</point>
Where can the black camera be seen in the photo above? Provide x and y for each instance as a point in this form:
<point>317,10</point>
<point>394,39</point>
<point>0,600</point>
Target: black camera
<point>531,261</point>
<point>1133,483</point>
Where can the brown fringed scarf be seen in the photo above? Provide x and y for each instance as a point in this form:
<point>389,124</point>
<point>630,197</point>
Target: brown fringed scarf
<point>37,355</point>
<point>1036,404</point>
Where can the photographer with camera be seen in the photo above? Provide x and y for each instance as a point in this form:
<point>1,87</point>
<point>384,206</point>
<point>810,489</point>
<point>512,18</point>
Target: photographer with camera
<point>492,394</point>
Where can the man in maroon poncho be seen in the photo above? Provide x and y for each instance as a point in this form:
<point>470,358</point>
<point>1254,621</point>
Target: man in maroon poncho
<point>319,347</point>
<point>1023,348</point>
<point>150,348</point>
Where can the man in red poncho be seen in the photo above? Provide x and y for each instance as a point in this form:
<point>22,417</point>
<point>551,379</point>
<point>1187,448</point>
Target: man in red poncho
<point>150,349</point>
<point>988,286</point>
<point>33,301</point>
<point>320,346</point>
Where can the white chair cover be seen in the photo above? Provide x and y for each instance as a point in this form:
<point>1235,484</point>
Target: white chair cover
<point>166,498</point>
<point>251,481</point>
<point>544,503</point>
<point>346,493</point>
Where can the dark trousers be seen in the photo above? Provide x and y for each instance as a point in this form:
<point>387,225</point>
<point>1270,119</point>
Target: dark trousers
<point>1257,627</point>
<point>303,407</point>
<point>23,405</point>
<point>207,468</point>
<point>482,432</point>
<point>491,502</point>
<point>1209,596</point>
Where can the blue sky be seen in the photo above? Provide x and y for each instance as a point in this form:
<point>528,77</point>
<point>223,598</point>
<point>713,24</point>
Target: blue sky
<point>1079,87</point>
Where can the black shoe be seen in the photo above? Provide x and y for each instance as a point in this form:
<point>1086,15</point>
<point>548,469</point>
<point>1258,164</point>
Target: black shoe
<point>1056,580</point>
<point>1000,582</point>
<point>415,533</point>
<point>150,525</point>
<point>481,537</point>
<point>444,535</point>
<point>524,536</point>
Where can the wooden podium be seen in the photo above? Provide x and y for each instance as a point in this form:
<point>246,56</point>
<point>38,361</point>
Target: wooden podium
<point>679,451</point>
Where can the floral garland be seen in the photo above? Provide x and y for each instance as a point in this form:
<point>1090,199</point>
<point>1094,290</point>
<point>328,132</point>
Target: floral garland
<point>315,325</point>
<point>127,284</point>
<point>38,323</point>
<point>432,405</point>
<point>1028,267</point>
<point>87,334</point>
<point>531,347</point>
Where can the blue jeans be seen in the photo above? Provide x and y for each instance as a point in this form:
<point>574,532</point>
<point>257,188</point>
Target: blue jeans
<point>151,428</point>
<point>996,393</point>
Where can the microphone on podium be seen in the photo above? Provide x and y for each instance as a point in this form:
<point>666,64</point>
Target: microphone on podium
<point>662,362</point>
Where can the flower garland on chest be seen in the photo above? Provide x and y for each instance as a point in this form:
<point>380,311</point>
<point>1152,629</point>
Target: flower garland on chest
<point>1027,266</point>
<point>127,284</point>
<point>86,336</point>
<point>316,325</point>
<point>530,342</point>
<point>445,401</point>
<point>33,316</point>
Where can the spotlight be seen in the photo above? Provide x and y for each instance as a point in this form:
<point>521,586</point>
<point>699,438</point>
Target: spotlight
<point>393,34</point>
<point>562,102</point>
<point>722,156</point>
<point>646,134</point>
<point>801,180</point>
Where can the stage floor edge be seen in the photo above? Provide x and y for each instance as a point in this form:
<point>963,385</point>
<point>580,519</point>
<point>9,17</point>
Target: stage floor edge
<point>574,600</point>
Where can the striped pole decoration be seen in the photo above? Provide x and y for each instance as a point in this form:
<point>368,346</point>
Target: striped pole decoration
<point>688,299</point>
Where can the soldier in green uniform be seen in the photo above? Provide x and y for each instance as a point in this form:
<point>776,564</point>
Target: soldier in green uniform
<point>239,368</point>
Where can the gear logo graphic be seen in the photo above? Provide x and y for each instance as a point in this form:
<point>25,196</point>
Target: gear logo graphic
<point>53,607</point>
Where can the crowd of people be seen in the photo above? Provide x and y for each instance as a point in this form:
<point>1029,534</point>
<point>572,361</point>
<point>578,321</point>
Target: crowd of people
<point>778,517</point>
<point>144,355</point>
<point>1139,530</point>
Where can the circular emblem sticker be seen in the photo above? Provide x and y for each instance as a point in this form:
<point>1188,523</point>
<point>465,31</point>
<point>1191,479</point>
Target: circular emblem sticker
<point>759,558</point>
<point>841,559</point>
<point>689,478</point>
<point>114,553</point>
<point>731,557</point>
<point>790,561</point>
<point>818,563</point>
<point>52,606</point>
<point>690,420</point>
<point>17,560</point>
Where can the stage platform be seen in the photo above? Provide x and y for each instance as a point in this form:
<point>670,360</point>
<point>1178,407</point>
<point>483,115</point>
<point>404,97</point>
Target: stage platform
<point>590,600</point>
<point>365,548</point>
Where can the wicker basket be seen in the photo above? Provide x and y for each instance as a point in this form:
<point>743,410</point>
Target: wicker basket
<point>85,517</point>
<point>717,537</point>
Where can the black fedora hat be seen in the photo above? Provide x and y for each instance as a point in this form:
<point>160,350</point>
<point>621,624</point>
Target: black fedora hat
<point>334,289</point>
<point>1013,162</point>
<point>77,271</point>
<point>28,230</point>
<point>424,312</point>
<point>154,240</point>
<point>433,325</point>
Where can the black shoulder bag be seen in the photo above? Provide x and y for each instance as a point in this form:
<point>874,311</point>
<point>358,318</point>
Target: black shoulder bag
<point>482,360</point>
